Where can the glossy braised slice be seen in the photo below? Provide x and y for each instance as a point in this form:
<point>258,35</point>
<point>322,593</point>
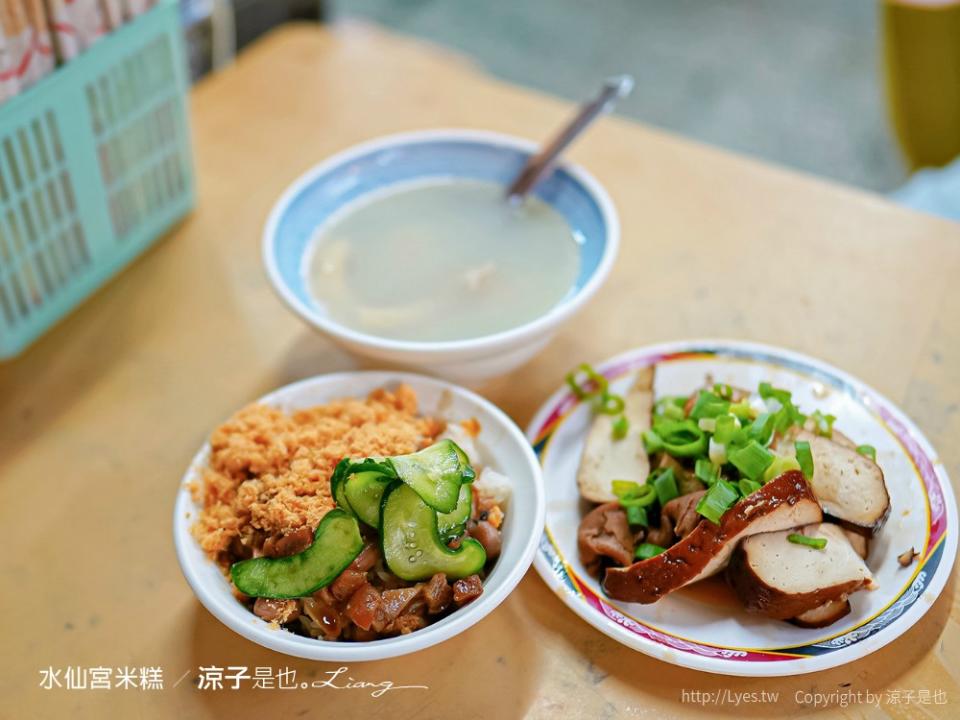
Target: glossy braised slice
<point>781,579</point>
<point>785,502</point>
<point>336,543</point>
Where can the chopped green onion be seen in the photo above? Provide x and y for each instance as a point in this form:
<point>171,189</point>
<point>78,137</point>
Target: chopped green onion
<point>742,410</point>
<point>706,471</point>
<point>666,486</point>
<point>804,458</point>
<point>823,423</point>
<point>761,429</point>
<point>651,442</point>
<point>767,390</point>
<point>708,405</point>
<point>779,466</point>
<point>645,551</point>
<point>726,429</point>
<point>717,500</point>
<point>717,452</point>
<point>637,515</point>
<point>642,496</point>
<point>625,488</point>
<point>752,459</point>
<point>707,424</point>
<point>748,486</point>
<point>599,382</point>
<point>670,406</point>
<point>723,390</point>
<point>868,450</point>
<point>620,427</point>
<point>814,542</point>
<point>681,438</point>
<point>609,404</point>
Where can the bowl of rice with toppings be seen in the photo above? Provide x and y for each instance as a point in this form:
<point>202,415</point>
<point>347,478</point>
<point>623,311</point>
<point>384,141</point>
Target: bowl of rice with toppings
<point>359,516</point>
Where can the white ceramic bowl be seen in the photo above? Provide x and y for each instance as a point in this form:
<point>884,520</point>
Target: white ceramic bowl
<point>502,447</point>
<point>355,173</point>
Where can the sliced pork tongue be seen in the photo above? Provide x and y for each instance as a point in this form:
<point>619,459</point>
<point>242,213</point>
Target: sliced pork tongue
<point>605,532</point>
<point>781,579</point>
<point>785,502</point>
<point>849,486</point>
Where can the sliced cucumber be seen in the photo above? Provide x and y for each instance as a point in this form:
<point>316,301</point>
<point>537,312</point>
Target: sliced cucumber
<point>435,473</point>
<point>336,543</point>
<point>337,481</point>
<point>363,491</point>
<point>451,524</point>
<point>412,546</point>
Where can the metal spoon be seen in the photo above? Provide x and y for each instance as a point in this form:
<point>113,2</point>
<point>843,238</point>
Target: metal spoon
<point>614,88</point>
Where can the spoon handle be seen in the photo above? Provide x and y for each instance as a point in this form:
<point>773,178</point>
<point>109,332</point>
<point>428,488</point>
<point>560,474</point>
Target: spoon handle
<point>613,89</point>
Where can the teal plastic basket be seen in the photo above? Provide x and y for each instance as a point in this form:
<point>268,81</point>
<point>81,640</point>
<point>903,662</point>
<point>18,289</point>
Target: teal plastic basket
<point>95,165</point>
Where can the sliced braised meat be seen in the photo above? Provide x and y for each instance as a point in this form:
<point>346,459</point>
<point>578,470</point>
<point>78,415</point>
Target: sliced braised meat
<point>325,616</point>
<point>347,583</point>
<point>355,575</point>
<point>365,608</point>
<point>278,611</point>
<point>784,502</point>
<point>438,594</point>
<point>291,543</point>
<point>406,624</point>
<point>781,579</point>
<point>395,602</point>
<point>487,535</point>
<point>661,534</point>
<point>823,615</point>
<point>467,589</point>
<point>605,532</point>
<point>849,486</point>
<point>682,513</point>
<point>605,457</point>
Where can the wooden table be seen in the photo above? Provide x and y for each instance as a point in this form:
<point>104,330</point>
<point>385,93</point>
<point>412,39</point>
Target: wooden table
<point>100,418</point>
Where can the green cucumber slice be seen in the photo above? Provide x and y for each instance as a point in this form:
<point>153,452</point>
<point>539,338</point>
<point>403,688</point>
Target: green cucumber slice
<point>363,491</point>
<point>336,543</point>
<point>451,524</point>
<point>411,544</point>
<point>337,481</point>
<point>435,473</point>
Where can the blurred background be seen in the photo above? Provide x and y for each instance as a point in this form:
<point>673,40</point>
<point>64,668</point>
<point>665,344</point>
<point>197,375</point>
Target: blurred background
<point>819,85</point>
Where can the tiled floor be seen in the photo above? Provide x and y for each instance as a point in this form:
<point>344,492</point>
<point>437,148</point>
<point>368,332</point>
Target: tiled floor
<point>796,82</point>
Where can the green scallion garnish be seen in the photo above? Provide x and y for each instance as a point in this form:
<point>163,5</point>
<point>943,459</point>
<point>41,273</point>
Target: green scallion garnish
<point>779,466</point>
<point>804,458</point>
<point>665,485</point>
<point>706,471</point>
<point>637,515</point>
<point>645,551</point>
<point>814,542</point>
<point>643,497</point>
<point>717,500</point>
<point>751,460</point>
<point>748,486</point>
<point>823,423</point>
<point>868,451</point>
<point>620,427</point>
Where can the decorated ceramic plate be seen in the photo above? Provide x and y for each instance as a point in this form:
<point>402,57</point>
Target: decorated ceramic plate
<point>703,626</point>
